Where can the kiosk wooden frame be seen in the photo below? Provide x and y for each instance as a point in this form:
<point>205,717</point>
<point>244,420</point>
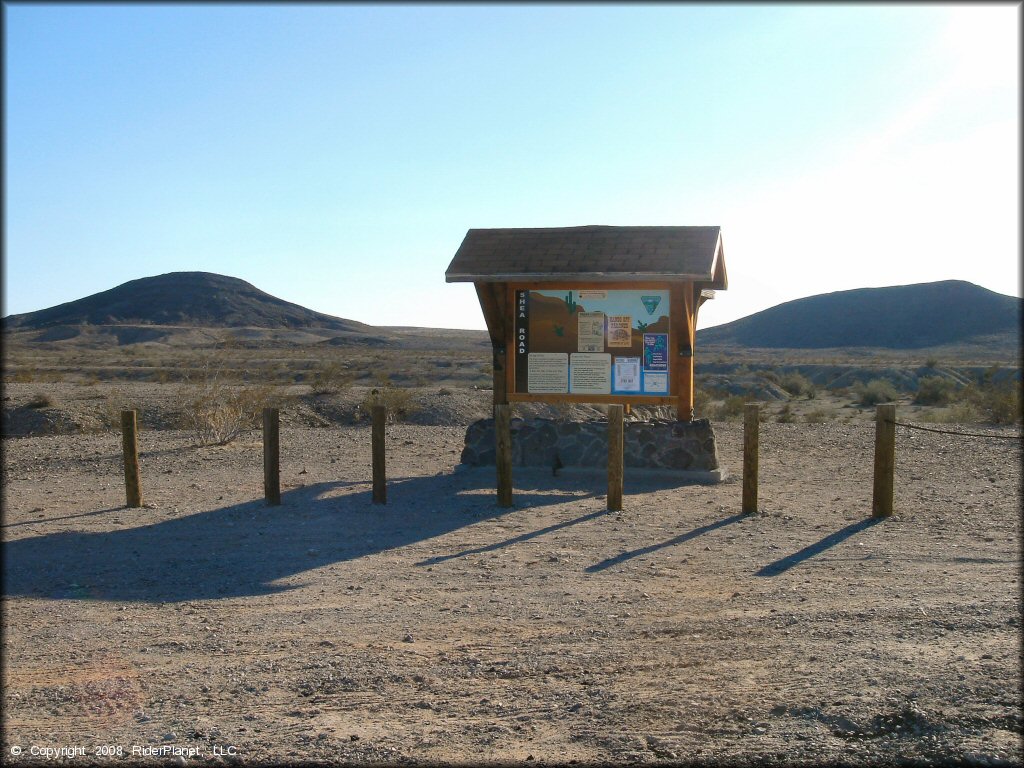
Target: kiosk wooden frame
<point>686,262</point>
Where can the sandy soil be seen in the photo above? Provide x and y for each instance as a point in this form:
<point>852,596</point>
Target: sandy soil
<point>439,628</point>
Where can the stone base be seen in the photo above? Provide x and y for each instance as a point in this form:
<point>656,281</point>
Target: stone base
<point>665,449</point>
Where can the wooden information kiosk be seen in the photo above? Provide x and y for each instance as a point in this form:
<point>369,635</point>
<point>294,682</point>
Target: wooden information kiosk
<point>593,314</point>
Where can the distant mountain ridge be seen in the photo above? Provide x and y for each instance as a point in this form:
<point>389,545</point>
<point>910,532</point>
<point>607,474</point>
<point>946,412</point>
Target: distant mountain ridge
<point>201,299</point>
<point>897,317</point>
<point>923,315</point>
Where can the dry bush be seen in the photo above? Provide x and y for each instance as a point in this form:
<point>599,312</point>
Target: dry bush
<point>215,412</point>
<point>331,378</point>
<point>786,415</point>
<point>31,373</point>
<point>398,401</point>
<point>110,410</point>
<point>986,402</point>
<point>935,390</point>
<point>997,403</point>
<point>732,407</point>
<point>701,402</point>
<point>797,385</point>
<point>876,391</point>
<point>41,400</point>
<point>22,376</point>
<point>818,416</point>
<point>959,413</point>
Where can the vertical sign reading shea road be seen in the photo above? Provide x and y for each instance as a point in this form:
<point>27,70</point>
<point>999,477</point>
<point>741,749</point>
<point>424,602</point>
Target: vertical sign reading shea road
<point>522,340</point>
<point>592,342</point>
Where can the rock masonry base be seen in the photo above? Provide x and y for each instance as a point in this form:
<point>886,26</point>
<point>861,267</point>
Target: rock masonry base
<point>673,449</point>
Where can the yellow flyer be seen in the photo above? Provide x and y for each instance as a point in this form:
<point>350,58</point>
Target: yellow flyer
<point>620,331</point>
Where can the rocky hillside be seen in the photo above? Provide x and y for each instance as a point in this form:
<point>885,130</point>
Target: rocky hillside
<point>950,312</point>
<point>200,299</point>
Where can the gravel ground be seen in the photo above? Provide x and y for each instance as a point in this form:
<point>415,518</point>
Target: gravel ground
<point>439,628</point>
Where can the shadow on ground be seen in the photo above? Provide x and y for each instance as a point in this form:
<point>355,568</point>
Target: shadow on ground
<point>680,539</point>
<point>245,549</point>
<point>817,548</point>
<point>249,549</point>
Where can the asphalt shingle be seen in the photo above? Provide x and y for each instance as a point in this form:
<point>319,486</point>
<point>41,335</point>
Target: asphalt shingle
<point>589,253</point>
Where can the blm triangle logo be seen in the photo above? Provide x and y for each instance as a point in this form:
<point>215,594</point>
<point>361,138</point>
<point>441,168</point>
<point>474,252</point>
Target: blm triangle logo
<point>651,303</point>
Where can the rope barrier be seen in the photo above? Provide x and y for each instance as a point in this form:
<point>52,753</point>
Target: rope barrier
<point>958,434</point>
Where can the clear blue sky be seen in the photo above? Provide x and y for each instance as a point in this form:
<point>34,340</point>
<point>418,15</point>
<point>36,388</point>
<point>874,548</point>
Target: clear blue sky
<point>335,155</point>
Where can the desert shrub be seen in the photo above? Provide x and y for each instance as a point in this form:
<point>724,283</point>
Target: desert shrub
<point>935,390</point>
<point>817,416</point>
<point>875,391</point>
<point>731,408</point>
<point>798,385</point>
<point>217,413</point>
<point>398,401</point>
<point>33,374</point>
<point>989,374</point>
<point>958,413</point>
<point>931,362</point>
<point>701,402</point>
<point>996,403</point>
<point>330,378</point>
<point>41,400</point>
<point>785,415</point>
<point>109,414</point>
<point>22,375</point>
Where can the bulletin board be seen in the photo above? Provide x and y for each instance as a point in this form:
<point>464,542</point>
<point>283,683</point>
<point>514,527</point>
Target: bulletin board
<point>592,342</point>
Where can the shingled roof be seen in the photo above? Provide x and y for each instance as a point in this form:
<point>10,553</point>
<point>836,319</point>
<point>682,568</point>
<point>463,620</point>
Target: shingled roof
<point>597,253</point>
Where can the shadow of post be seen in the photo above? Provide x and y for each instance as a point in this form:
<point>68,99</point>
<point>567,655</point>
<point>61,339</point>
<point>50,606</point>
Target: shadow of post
<point>514,540</point>
<point>247,549</point>
<point>683,537</point>
<point>811,550</point>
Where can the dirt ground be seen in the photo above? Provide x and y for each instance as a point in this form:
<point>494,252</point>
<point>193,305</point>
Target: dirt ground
<point>439,628</point>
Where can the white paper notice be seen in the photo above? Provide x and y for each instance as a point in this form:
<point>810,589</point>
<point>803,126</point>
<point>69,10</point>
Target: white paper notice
<point>590,374</point>
<point>627,374</point>
<point>591,332</point>
<point>548,373</point>
<point>656,383</point>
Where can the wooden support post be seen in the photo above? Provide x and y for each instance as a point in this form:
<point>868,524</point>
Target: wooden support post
<point>615,462</point>
<point>271,457</point>
<point>379,414</point>
<point>885,459</point>
<point>130,446</point>
<point>750,427</point>
<point>684,410</point>
<point>683,334</point>
<point>503,452</point>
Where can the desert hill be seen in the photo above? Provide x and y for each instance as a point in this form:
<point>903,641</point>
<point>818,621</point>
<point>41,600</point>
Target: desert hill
<point>198,299</point>
<point>950,312</point>
<point>199,309</point>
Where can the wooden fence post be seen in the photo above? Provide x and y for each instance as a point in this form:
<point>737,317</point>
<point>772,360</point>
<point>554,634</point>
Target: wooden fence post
<point>379,414</point>
<point>130,446</point>
<point>615,444</point>
<point>885,459</point>
<point>271,457</point>
<point>750,428</point>
<point>503,452</point>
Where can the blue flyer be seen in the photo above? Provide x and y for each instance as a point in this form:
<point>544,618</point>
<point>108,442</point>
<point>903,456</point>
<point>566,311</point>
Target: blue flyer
<point>655,351</point>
